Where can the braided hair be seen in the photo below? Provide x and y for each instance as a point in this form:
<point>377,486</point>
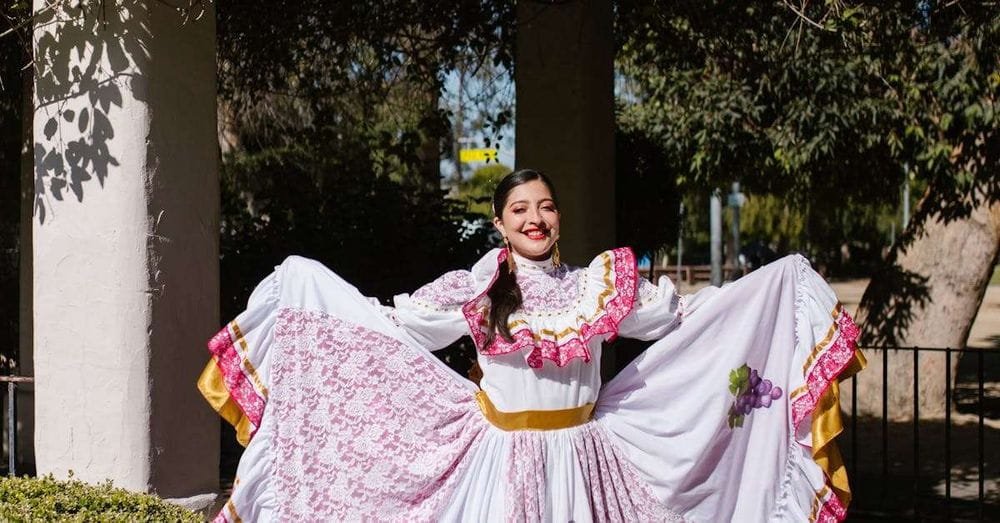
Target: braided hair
<point>505,294</point>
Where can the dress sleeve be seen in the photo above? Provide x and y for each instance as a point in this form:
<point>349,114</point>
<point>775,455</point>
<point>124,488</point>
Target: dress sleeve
<point>658,310</point>
<point>432,315</point>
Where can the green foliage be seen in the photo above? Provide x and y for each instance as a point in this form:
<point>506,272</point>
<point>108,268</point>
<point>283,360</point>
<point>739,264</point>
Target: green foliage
<point>374,70</point>
<point>772,220</point>
<point>15,52</point>
<point>824,117</point>
<point>384,236</point>
<point>477,189</point>
<point>47,499</point>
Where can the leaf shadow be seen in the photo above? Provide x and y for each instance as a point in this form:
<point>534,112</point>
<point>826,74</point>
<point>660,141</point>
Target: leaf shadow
<point>84,57</point>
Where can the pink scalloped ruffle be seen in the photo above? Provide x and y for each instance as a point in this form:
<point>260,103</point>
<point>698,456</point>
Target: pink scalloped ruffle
<point>828,366</point>
<point>615,310</point>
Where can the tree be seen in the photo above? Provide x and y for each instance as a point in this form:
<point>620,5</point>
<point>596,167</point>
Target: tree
<point>15,92</point>
<point>828,105</point>
<point>477,189</point>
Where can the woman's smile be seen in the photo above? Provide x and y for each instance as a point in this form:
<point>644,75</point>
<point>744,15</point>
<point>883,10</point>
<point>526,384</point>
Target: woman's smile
<point>536,234</point>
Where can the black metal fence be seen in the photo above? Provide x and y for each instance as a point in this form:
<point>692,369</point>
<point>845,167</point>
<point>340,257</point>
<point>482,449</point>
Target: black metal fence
<point>883,487</point>
<point>11,419</point>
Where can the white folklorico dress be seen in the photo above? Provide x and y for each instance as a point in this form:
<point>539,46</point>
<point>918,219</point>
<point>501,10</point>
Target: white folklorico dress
<point>347,416</point>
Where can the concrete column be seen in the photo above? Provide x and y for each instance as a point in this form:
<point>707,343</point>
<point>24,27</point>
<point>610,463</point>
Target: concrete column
<point>565,115</point>
<point>125,243</point>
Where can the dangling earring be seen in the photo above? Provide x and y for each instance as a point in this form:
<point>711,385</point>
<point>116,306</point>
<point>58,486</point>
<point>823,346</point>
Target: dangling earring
<point>511,264</point>
<point>555,255</point>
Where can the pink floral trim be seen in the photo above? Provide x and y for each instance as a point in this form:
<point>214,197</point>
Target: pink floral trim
<point>832,511</point>
<point>240,387</point>
<point>828,366</point>
<point>615,310</point>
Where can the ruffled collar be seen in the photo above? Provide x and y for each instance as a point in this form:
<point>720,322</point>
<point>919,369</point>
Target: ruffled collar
<point>607,295</point>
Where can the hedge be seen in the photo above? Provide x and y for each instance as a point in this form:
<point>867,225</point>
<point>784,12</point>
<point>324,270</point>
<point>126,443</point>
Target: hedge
<point>48,499</point>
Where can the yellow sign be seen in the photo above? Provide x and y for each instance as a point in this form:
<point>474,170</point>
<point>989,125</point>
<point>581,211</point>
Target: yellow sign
<point>477,155</point>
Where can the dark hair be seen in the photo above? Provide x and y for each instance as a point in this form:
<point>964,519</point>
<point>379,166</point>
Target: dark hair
<point>505,294</point>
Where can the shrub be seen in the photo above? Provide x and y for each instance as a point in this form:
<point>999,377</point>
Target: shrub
<point>48,499</point>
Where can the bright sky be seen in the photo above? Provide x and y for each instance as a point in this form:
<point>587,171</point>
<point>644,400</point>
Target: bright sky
<point>477,136</point>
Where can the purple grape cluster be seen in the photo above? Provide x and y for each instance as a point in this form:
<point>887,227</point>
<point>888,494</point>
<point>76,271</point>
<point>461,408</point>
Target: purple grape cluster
<point>759,393</point>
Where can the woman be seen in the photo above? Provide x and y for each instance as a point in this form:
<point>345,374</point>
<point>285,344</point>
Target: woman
<point>729,416</point>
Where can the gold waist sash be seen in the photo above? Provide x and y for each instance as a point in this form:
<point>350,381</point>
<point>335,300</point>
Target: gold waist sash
<point>533,419</point>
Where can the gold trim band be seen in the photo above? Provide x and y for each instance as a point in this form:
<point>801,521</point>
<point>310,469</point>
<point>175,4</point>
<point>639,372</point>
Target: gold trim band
<point>533,419</point>
<point>212,385</point>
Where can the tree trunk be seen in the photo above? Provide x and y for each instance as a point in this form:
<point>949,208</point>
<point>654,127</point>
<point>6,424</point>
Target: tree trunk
<point>229,136</point>
<point>25,356</point>
<point>430,147</point>
<point>927,295</point>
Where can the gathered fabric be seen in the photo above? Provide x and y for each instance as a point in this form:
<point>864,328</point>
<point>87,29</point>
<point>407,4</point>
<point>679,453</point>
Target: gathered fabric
<point>729,415</point>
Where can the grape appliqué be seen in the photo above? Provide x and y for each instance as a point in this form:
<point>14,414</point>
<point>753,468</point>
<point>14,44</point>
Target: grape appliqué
<point>751,392</point>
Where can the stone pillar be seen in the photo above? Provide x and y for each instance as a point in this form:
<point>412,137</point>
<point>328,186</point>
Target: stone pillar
<point>126,222</point>
<point>565,115</point>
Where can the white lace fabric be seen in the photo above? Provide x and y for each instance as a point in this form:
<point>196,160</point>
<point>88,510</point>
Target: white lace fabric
<point>361,422</point>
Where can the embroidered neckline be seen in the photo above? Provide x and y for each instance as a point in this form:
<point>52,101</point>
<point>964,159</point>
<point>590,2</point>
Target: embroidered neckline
<point>545,265</point>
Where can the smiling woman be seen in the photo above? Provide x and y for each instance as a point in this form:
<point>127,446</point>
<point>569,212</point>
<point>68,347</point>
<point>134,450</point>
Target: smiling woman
<point>729,415</point>
<point>526,214</point>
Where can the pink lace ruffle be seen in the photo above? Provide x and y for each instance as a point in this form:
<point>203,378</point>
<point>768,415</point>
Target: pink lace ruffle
<point>828,366</point>
<point>544,346</point>
<point>239,385</point>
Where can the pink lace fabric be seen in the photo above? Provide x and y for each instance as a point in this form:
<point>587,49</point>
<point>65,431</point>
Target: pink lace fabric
<point>549,292</point>
<point>448,292</point>
<point>240,386</point>
<point>604,296</point>
<point>367,428</point>
<point>615,489</point>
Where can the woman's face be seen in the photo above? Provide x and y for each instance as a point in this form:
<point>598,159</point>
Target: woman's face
<point>530,220</point>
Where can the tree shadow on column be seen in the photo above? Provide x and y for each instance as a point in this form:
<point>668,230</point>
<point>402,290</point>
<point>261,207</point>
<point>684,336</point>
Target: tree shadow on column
<point>84,57</point>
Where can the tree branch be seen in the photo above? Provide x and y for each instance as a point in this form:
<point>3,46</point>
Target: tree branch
<point>803,16</point>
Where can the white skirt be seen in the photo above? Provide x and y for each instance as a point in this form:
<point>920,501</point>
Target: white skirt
<point>348,419</point>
